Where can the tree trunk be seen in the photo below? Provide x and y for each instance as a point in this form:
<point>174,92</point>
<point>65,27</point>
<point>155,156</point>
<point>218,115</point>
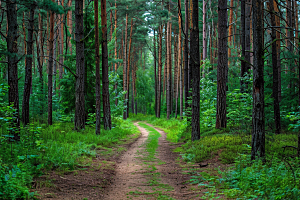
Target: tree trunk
<point>97,58</point>
<point>221,120</point>
<point>69,23</point>
<point>258,118</point>
<point>128,65</point>
<point>105,81</point>
<point>116,56</point>
<point>80,69</point>
<point>61,39</point>
<point>230,29</point>
<point>179,59</point>
<point>248,15</point>
<point>275,70</point>
<point>243,40</point>
<point>204,32</point>
<point>195,67</point>
<point>155,77</point>
<point>125,70</point>
<point>50,68</point>
<point>28,67</point>
<point>159,71</point>
<point>186,55</point>
<point>175,89</point>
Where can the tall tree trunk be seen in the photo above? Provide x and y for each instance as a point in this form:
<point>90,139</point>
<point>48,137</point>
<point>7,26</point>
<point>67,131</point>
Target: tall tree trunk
<point>128,65</point>
<point>275,70</point>
<point>179,59</point>
<point>258,117</point>
<point>155,77</point>
<point>230,29</point>
<point>176,72</point>
<point>116,56</point>
<point>195,67</point>
<point>28,67</point>
<point>80,69</point>
<point>69,23</point>
<point>221,120</point>
<point>186,55</point>
<point>12,48</point>
<point>204,32</point>
<point>61,44</point>
<point>41,38</point>
<point>243,61</point>
<point>105,81</point>
<point>159,70</point>
<point>125,70</point>
<point>97,56</point>
<point>50,67</point>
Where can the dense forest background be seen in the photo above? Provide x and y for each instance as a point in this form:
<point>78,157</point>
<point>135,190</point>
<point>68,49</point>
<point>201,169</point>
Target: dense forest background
<point>209,67</point>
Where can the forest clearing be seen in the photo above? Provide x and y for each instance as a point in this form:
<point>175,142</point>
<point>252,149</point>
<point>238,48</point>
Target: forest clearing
<point>149,99</point>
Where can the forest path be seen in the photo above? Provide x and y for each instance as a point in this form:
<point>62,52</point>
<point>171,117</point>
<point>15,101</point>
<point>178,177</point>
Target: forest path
<point>148,170</point>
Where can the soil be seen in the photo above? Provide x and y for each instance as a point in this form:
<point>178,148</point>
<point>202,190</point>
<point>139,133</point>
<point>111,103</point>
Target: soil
<point>127,176</point>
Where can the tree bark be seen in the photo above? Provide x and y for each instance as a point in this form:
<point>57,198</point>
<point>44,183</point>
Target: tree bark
<point>125,70</point>
<point>105,80</point>
<point>195,67</point>
<point>221,120</point>
<point>186,55</point>
<point>12,67</point>
<point>159,71</point>
<point>230,29</point>
<point>204,32</point>
<point>28,67</point>
<point>69,23</point>
<point>275,70</point>
<point>128,65</point>
<point>97,58</point>
<point>116,56</point>
<point>179,59</point>
<point>50,67</point>
<point>258,117</point>
<point>80,69</point>
<point>155,77</point>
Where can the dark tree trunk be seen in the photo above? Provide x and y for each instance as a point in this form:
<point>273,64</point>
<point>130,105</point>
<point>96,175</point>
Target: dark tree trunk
<point>12,68</point>
<point>28,67</point>
<point>275,70</point>
<point>247,37</point>
<point>80,69</point>
<point>105,81</point>
<point>221,120</point>
<point>258,118</point>
<point>50,68</point>
<point>195,67</point>
<point>155,77</point>
<point>97,87</point>
<point>125,70</point>
<point>243,61</point>
<point>186,55</point>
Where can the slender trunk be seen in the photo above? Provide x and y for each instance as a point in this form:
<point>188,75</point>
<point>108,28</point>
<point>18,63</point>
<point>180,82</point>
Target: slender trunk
<point>230,29</point>
<point>125,70</point>
<point>275,70</point>
<point>204,31</point>
<point>116,65</point>
<point>179,59</point>
<point>28,67</point>
<point>80,69</point>
<point>105,80</point>
<point>186,55</point>
<point>69,22</point>
<point>61,39</point>
<point>155,77</point>
<point>50,68</point>
<point>195,67</point>
<point>175,89</point>
<point>168,82</point>
<point>41,38</point>
<point>258,117</point>
<point>128,65</point>
<point>97,58</point>
<point>159,71</point>
<point>243,62</point>
<point>221,120</point>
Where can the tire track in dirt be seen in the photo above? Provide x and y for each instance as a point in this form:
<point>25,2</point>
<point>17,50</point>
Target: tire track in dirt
<point>134,179</point>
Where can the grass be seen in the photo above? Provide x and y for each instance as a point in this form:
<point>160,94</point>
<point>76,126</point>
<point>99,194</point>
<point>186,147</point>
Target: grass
<point>57,147</point>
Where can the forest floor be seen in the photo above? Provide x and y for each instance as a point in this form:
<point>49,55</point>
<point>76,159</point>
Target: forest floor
<point>149,169</point>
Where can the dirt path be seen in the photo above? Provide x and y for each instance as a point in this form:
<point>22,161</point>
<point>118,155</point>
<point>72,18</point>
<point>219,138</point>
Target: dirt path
<point>139,178</point>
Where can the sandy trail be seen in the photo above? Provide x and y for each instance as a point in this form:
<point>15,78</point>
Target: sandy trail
<point>132,181</point>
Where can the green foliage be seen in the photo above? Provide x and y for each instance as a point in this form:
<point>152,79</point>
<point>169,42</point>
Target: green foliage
<point>277,179</point>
